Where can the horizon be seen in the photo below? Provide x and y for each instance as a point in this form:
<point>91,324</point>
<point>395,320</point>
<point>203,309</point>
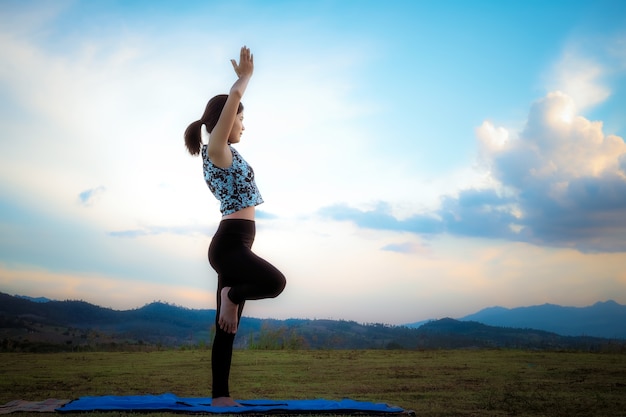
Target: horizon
<point>164,302</point>
<point>416,158</point>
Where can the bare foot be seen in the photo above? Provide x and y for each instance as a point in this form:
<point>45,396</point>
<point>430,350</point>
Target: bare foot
<point>224,402</point>
<point>228,313</point>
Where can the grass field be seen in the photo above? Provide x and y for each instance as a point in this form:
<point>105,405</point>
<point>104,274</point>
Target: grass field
<point>432,383</point>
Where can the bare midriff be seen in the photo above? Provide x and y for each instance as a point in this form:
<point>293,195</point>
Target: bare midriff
<point>245,214</point>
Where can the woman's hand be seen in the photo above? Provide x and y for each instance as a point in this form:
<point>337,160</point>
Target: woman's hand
<point>245,68</point>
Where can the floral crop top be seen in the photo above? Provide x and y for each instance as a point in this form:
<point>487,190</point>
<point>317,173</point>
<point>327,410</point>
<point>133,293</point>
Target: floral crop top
<point>234,186</point>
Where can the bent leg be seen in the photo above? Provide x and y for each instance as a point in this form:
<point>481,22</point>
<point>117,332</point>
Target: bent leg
<point>249,276</point>
<point>256,279</point>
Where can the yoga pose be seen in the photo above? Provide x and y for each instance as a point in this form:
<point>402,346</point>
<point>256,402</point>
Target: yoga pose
<point>241,275</point>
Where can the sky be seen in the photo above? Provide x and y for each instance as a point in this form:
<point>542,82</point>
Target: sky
<point>418,159</point>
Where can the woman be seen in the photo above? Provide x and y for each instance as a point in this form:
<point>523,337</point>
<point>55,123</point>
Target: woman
<point>241,275</point>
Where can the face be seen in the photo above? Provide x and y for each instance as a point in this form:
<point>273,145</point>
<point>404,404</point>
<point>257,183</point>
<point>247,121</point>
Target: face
<point>237,130</point>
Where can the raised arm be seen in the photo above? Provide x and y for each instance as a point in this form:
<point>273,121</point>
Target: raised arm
<point>219,153</point>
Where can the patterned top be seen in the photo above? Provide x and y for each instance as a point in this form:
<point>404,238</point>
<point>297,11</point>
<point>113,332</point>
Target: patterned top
<point>234,186</point>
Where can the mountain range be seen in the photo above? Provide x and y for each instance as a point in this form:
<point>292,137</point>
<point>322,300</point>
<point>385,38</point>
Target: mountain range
<point>40,325</point>
<point>602,319</point>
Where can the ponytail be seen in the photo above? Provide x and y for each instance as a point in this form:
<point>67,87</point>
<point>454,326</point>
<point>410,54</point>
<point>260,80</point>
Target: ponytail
<point>212,112</point>
<point>193,137</point>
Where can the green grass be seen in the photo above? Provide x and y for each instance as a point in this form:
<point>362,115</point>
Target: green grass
<point>432,383</point>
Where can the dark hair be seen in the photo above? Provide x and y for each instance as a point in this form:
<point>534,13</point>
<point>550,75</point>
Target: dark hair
<point>193,133</point>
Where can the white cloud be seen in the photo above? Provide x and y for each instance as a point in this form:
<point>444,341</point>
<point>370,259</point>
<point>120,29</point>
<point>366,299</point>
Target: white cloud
<point>581,78</point>
<point>565,172</point>
<point>555,148</point>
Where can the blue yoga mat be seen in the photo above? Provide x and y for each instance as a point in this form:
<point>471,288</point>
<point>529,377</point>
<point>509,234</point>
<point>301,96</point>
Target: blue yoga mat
<point>170,402</point>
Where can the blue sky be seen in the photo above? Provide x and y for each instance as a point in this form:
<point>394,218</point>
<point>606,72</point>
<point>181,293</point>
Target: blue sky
<point>418,159</point>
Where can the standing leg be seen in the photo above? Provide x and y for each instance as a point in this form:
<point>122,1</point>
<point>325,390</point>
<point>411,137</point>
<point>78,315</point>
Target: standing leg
<point>221,357</point>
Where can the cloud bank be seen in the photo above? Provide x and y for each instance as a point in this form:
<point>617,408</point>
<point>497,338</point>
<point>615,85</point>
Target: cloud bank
<point>561,182</point>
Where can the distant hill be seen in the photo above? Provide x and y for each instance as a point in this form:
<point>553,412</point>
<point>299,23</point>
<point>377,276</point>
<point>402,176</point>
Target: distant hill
<point>76,325</point>
<point>35,299</point>
<point>603,319</point>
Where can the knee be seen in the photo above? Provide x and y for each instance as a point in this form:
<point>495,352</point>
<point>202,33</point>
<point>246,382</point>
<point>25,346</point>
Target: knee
<point>279,284</point>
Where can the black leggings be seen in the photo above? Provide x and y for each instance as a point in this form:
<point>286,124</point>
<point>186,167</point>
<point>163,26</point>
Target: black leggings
<point>250,278</point>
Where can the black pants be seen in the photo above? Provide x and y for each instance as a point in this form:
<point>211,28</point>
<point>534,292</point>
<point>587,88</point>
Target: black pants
<point>250,278</point>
